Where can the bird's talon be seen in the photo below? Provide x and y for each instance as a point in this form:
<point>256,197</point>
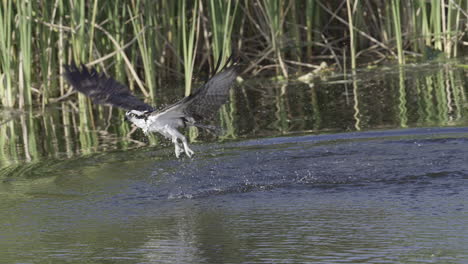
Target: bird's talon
<point>189,153</point>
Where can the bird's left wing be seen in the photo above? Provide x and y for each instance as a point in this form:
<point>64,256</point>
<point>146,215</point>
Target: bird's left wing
<point>102,89</point>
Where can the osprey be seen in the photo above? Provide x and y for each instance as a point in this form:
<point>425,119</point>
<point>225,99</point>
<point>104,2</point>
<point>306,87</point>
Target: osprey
<point>189,111</point>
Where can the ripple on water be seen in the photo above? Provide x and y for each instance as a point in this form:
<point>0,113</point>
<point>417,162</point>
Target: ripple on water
<point>380,197</point>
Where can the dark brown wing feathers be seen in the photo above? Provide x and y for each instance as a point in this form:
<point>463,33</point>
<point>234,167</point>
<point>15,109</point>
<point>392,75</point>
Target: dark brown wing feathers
<point>201,105</point>
<point>207,100</point>
<point>102,89</point>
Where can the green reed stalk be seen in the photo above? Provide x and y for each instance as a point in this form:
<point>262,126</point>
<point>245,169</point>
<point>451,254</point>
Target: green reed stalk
<point>6,89</point>
<point>170,33</point>
<point>274,19</point>
<point>451,29</point>
<point>61,47</point>
<point>189,41</point>
<point>396,14</point>
<point>412,22</point>
<point>352,46</point>
<point>44,58</point>
<point>435,23</point>
<point>91,31</point>
<point>222,22</point>
<point>189,51</point>
<point>359,23</point>
<point>145,44</point>
<point>455,24</point>
<point>387,23</point>
<point>117,27</point>
<point>154,43</point>
<point>49,57</point>
<point>294,20</point>
<point>423,25</point>
<point>426,32</point>
<point>78,17</point>
<point>311,15</point>
<point>25,21</point>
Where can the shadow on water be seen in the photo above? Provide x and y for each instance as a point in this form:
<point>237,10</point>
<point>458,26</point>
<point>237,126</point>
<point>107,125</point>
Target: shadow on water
<point>291,180</point>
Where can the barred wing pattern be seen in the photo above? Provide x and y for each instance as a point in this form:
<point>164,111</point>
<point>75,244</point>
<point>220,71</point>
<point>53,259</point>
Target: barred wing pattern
<point>102,89</point>
<point>207,100</point>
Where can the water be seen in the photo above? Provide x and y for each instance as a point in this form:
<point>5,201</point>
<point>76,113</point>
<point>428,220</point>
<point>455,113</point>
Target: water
<point>288,182</point>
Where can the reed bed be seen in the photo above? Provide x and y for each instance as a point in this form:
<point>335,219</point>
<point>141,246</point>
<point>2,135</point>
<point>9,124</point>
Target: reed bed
<point>144,42</point>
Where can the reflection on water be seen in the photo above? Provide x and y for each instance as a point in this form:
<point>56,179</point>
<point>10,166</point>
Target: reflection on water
<point>313,195</point>
<point>372,197</point>
<point>415,96</point>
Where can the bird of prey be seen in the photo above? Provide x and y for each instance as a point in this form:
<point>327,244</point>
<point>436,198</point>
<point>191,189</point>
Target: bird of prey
<point>189,111</point>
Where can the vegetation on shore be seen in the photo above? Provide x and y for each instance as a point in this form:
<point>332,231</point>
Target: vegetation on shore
<point>144,43</point>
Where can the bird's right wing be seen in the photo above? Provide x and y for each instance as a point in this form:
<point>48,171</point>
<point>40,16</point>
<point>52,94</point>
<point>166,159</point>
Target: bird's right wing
<point>207,100</point>
<point>102,89</point>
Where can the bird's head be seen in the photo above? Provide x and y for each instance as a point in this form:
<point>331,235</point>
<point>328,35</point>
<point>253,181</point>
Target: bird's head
<point>139,118</point>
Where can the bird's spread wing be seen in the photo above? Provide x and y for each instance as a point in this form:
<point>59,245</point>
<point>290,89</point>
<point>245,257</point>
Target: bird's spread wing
<point>102,89</point>
<point>206,101</point>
